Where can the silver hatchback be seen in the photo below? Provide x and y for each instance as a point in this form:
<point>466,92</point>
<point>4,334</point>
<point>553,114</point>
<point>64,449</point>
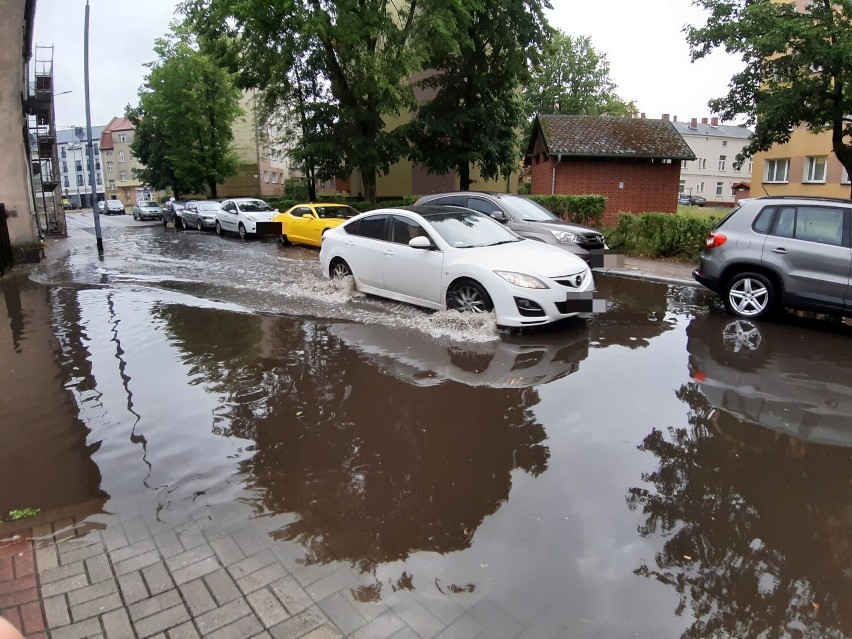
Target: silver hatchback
<point>773,252</point>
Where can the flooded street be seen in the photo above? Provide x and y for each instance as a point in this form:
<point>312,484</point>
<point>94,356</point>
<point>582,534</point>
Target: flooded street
<point>660,470</point>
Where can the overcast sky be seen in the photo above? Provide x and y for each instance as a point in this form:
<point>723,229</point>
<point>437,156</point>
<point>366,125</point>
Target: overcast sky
<point>643,40</point>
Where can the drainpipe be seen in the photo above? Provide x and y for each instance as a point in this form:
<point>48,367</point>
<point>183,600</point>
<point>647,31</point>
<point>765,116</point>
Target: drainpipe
<point>553,176</point>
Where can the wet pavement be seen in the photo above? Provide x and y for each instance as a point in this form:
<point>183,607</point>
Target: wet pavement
<point>224,444</point>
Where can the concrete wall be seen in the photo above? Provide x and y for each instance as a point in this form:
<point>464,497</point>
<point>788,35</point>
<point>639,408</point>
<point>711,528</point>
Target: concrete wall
<point>630,185</point>
<point>708,149</point>
<point>15,189</point>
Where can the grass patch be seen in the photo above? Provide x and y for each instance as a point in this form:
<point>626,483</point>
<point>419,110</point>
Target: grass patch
<point>23,513</point>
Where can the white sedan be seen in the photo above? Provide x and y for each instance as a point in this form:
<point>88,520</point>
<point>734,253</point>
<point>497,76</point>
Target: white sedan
<point>245,216</point>
<point>444,257</point>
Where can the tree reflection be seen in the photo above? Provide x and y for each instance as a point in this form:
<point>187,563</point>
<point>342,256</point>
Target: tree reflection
<point>757,526</point>
<point>369,467</point>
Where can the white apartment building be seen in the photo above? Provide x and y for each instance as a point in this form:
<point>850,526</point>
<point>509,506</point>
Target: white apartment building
<point>716,146</point>
<point>74,182</point>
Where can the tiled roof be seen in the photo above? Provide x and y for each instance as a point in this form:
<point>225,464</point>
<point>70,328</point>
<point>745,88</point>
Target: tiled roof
<point>606,136</point>
<point>69,136</point>
<point>120,124</point>
<point>708,130</point>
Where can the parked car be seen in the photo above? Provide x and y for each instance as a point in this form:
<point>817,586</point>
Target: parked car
<point>173,212</point>
<point>143,210</point>
<point>528,219</point>
<point>200,214</point>
<point>101,207</point>
<point>444,257</point>
<point>306,223</point>
<point>691,200</point>
<point>113,207</point>
<point>772,252</point>
<point>246,216</point>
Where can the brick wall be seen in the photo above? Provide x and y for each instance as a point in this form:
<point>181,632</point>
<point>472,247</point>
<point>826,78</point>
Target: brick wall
<point>636,186</point>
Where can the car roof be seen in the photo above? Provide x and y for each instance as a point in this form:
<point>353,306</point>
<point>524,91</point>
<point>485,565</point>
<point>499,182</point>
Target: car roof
<point>427,210</point>
<point>807,198</point>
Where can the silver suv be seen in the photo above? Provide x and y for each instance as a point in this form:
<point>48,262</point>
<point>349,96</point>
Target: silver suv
<point>772,252</point>
<point>528,219</point>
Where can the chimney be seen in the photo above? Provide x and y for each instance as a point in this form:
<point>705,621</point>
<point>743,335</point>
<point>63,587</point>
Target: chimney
<point>665,117</point>
<point>714,121</point>
<point>675,118</point>
<point>703,120</point>
<point>693,123</point>
<point>642,115</point>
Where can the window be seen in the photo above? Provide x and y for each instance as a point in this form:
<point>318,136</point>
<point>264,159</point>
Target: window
<point>776,170</point>
<point>97,150</point>
<point>684,163</point>
<point>702,163</point>
<point>750,166</point>
<point>682,186</point>
<point>110,166</point>
<point>372,227</point>
<point>404,229</point>
<point>122,138</point>
<point>720,189</point>
<point>65,180</point>
<point>79,166</point>
<point>266,177</point>
<point>108,154</point>
<point>65,167</point>
<point>701,187</point>
<point>79,179</point>
<point>724,143</point>
<point>122,175</point>
<point>814,169</point>
<point>121,156</point>
<point>97,165</point>
<point>811,224</point>
<point>98,175</point>
<point>722,161</point>
<point>112,185</point>
<point>275,178</point>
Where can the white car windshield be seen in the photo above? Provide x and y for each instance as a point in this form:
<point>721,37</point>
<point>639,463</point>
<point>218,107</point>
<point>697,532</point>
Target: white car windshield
<point>208,206</point>
<point>254,205</point>
<point>469,229</point>
<point>528,210</point>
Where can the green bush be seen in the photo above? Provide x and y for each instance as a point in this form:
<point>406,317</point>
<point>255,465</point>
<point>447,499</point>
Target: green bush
<point>296,189</point>
<point>660,235</point>
<point>582,209</point>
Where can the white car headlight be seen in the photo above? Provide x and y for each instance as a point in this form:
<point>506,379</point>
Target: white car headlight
<point>519,279</point>
<point>564,237</point>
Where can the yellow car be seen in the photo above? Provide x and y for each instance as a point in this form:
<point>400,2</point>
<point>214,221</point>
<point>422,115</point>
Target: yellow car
<point>305,223</point>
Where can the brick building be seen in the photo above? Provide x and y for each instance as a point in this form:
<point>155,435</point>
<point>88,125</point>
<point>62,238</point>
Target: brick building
<point>633,162</point>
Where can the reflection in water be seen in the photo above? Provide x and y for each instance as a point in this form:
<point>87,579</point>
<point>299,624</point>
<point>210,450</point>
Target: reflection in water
<point>511,362</point>
<point>370,464</point>
<point>756,517</point>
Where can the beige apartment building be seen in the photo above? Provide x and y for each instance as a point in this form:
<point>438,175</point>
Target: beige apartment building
<point>119,162</point>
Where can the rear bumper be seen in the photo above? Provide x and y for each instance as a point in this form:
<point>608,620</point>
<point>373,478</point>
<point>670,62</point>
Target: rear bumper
<point>710,282</point>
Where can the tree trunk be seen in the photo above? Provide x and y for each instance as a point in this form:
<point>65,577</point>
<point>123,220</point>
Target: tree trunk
<point>212,186</point>
<point>310,173</point>
<point>369,179</point>
<point>464,177</point>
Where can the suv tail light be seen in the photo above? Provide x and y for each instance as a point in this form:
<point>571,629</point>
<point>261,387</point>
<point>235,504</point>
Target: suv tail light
<point>714,240</point>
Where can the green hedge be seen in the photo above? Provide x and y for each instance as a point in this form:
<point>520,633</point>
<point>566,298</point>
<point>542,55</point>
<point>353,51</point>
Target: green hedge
<point>660,235</point>
<point>582,209</point>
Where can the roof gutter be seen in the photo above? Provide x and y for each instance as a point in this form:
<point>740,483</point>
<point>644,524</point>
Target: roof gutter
<point>553,175</point>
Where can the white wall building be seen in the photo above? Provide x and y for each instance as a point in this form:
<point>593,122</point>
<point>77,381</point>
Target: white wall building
<point>716,146</point>
<point>75,184</point>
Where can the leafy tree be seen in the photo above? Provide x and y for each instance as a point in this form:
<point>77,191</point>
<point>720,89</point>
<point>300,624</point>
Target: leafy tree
<point>359,53</point>
<point>572,78</point>
<point>798,68</point>
<point>472,105</point>
<point>186,109</point>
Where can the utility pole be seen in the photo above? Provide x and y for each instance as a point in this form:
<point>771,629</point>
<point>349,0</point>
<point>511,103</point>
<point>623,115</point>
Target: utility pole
<point>90,148</point>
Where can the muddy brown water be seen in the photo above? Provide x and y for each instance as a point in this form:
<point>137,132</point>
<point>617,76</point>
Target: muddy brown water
<point>659,470</point>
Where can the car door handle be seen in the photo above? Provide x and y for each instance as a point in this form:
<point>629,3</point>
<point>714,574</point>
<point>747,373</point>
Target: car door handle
<point>780,251</point>
<point>387,252</point>
<point>349,243</point>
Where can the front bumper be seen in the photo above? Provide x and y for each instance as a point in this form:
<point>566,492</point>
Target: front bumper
<point>533,307</point>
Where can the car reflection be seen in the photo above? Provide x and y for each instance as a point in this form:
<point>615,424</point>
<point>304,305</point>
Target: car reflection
<point>772,375</point>
<point>512,362</point>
